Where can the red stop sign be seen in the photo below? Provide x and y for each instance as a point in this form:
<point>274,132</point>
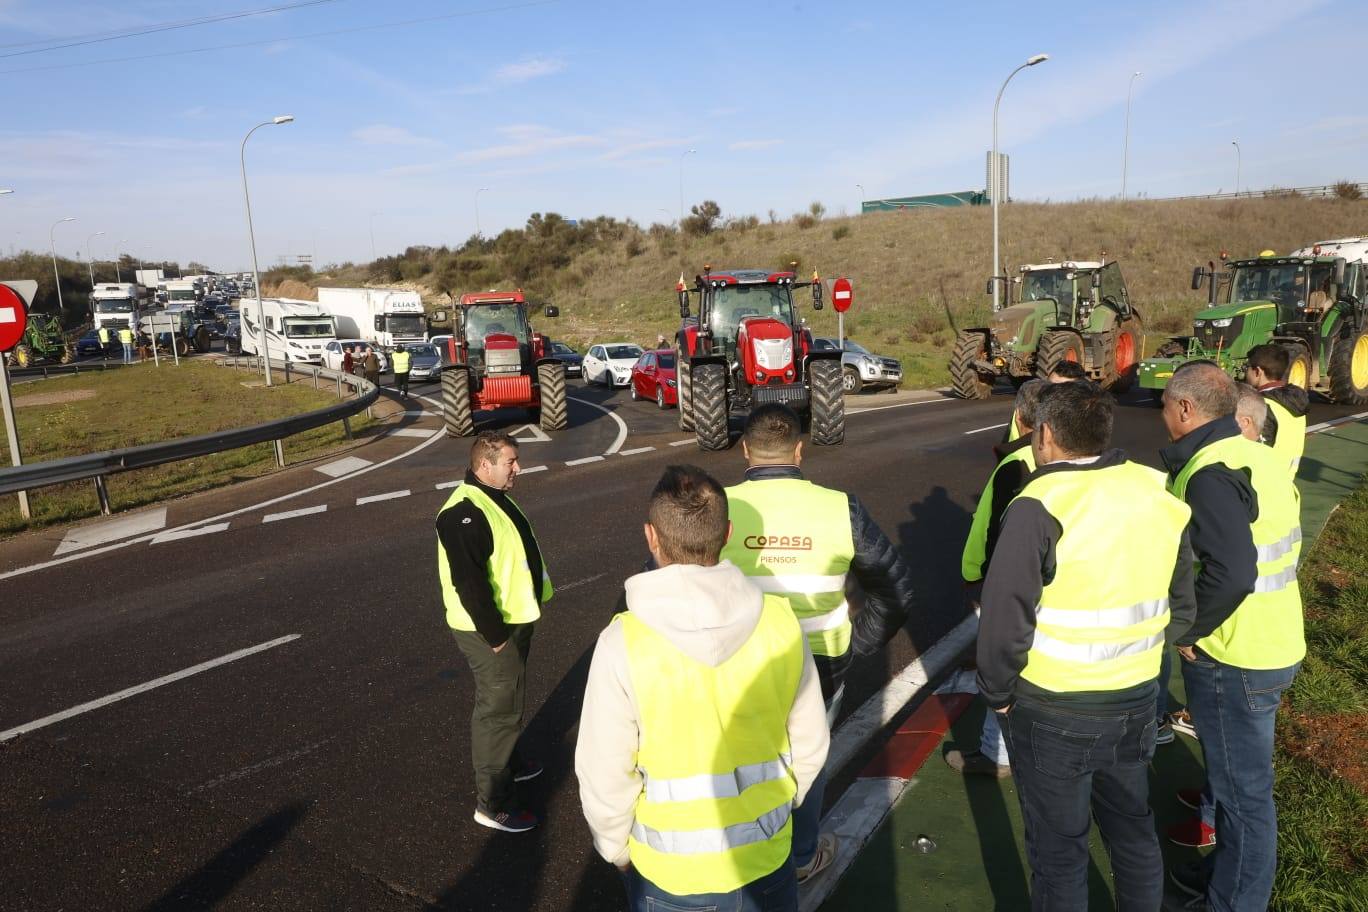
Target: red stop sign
<point>841,295</point>
<point>13,318</point>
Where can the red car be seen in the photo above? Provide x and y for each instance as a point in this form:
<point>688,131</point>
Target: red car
<point>653,377</point>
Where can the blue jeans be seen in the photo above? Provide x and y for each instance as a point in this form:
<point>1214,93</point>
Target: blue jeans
<point>807,817</point>
<point>775,892</point>
<point>991,742</point>
<point>1235,709</point>
<point>128,353</point>
<point>1071,767</point>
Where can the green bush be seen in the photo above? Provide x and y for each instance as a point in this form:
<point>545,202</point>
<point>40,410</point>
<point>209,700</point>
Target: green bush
<point>840,232</point>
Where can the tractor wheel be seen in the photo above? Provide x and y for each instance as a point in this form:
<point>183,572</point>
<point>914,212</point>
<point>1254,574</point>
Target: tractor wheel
<point>684,377</point>
<point>850,380</point>
<point>1171,349</point>
<point>201,340</point>
<point>827,403</point>
<point>1126,355</point>
<point>968,382</point>
<point>182,346</point>
<point>1298,367</point>
<point>456,402</point>
<point>23,355</point>
<point>709,398</point>
<point>551,384</point>
<point>1349,370</point>
<point>1056,346</point>
<point>68,354</point>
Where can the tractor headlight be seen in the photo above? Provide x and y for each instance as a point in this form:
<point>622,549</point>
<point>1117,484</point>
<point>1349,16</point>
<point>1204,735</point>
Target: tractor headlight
<point>759,376</point>
<point>788,374</point>
<point>1222,324</point>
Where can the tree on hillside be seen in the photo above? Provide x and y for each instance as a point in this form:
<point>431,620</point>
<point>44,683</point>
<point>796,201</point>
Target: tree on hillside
<point>702,219</point>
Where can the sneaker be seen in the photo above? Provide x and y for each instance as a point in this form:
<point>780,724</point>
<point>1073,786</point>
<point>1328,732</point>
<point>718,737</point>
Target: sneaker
<point>821,859</point>
<point>1164,734</point>
<point>1190,798</point>
<point>1190,880</point>
<point>527,770</point>
<point>974,763</point>
<point>1181,722</point>
<point>507,821</point>
<point>1192,833</point>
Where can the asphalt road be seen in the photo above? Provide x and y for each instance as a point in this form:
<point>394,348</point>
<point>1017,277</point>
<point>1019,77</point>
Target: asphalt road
<point>332,770</point>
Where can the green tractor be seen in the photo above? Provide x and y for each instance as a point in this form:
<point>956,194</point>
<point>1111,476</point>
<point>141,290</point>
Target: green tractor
<point>1310,301</point>
<point>42,341</point>
<point>1070,311</point>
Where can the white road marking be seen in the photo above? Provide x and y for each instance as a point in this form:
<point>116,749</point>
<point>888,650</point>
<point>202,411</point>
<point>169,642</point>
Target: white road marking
<point>537,434</point>
<point>622,425</point>
<point>145,687</point>
<point>880,408</point>
<point>292,514</point>
<point>581,582</point>
<point>412,432</point>
<point>684,442</point>
<point>343,466</point>
<point>389,495</point>
<point>421,413</point>
<point>189,533</point>
<point>530,469</point>
<point>445,485</point>
<point>1327,425</point>
<point>635,451</point>
<point>575,462</point>
<point>109,530</point>
<point>991,427</point>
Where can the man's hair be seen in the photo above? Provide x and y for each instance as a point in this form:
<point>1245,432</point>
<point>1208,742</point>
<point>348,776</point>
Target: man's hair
<point>1206,386</point>
<point>488,445</point>
<point>1079,414</point>
<point>1272,359</point>
<point>1071,370</point>
<point>1252,405</point>
<point>1028,401</point>
<point>772,431</point>
<point>689,512</point>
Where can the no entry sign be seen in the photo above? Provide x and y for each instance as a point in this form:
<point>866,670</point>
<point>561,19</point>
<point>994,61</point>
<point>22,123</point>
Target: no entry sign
<point>13,318</point>
<point>841,295</point>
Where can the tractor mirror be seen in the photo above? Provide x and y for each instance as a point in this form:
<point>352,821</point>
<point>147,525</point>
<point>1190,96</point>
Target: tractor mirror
<point>817,295</point>
<point>379,323</point>
<point>684,304</point>
<point>988,289</point>
<point>1339,271</point>
<point>1097,280</point>
<point>1197,278</point>
<point>439,316</point>
<point>552,310</point>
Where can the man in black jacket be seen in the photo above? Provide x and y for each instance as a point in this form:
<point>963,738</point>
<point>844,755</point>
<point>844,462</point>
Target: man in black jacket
<point>494,582</point>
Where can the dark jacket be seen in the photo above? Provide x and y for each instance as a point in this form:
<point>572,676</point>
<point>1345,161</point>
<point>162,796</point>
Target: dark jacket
<point>468,543</point>
<point>1293,398</point>
<point>1223,508</point>
<point>877,566</point>
<point>1022,567</point>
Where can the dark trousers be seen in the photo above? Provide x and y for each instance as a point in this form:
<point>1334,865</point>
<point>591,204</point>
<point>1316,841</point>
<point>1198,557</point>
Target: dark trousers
<point>401,381</point>
<point>807,817</point>
<point>1234,710</point>
<point>1070,767</point>
<point>500,691</point>
<point>775,892</point>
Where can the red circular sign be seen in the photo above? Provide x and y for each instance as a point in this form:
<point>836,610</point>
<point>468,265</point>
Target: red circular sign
<point>841,295</point>
<point>13,318</point>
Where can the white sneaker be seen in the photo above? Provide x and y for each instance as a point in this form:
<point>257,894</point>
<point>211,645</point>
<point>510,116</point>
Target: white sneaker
<point>821,859</point>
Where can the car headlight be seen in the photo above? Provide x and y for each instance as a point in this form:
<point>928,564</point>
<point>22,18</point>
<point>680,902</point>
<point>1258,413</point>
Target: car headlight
<point>670,384</point>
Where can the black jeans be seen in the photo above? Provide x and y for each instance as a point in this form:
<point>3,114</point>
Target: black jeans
<point>500,692</point>
<point>401,381</point>
<point>1068,764</point>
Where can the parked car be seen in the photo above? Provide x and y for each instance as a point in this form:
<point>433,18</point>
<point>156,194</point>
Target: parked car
<point>426,363</point>
<point>232,338</point>
<point>610,363</point>
<point>653,377</point>
<point>332,354</point>
<point>89,344</point>
<point>573,360</point>
<point>861,368</point>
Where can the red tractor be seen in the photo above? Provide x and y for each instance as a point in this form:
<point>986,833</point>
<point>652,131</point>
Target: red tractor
<point>747,347</point>
<point>499,361</point>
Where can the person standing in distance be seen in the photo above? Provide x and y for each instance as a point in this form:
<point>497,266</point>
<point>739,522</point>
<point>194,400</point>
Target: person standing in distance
<point>1076,609</point>
<point>1285,428</point>
<point>703,723</point>
<point>126,340</point>
<point>1062,372</point>
<point>800,540</point>
<point>402,362</point>
<point>370,366</point>
<point>494,582</point>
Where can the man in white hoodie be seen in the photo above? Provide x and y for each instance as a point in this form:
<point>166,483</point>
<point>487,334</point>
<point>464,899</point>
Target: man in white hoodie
<point>703,724</point>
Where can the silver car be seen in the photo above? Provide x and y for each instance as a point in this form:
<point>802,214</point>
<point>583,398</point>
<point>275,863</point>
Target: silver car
<point>862,368</point>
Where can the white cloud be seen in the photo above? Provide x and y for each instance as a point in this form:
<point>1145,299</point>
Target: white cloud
<point>750,145</point>
<point>525,70</point>
<point>628,149</point>
<point>389,135</point>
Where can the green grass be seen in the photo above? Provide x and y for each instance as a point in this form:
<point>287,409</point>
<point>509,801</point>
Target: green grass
<point>143,404</point>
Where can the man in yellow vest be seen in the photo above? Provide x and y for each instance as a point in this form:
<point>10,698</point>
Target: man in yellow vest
<point>1076,609</point>
<point>126,339</point>
<point>402,362</point>
<point>104,340</point>
<point>1285,428</point>
<point>494,583</point>
<point>1251,413</point>
<point>1246,643</point>
<point>703,725</point>
<point>800,540</point>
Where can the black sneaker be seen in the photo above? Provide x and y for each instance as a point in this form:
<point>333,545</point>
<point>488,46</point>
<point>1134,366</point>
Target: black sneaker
<point>526,770</point>
<point>507,821</point>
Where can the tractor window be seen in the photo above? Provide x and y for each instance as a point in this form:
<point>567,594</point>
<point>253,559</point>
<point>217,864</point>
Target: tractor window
<point>1039,284</point>
<point>1113,286</point>
<point>1322,294</point>
<point>1282,283</point>
<point>484,319</point>
<point>733,303</point>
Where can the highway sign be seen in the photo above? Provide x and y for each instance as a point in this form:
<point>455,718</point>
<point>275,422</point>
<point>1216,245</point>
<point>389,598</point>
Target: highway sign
<point>13,318</point>
<point>841,295</point>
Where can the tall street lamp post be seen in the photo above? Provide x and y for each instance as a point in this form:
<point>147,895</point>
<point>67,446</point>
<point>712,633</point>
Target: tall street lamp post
<point>118,273</point>
<point>251,237</point>
<point>52,246</point>
<point>1125,148</point>
<point>860,187</point>
<point>90,261</point>
<point>1236,144</point>
<point>997,167</point>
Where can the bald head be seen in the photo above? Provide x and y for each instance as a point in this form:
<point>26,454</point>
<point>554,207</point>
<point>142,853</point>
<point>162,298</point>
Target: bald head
<point>1198,393</point>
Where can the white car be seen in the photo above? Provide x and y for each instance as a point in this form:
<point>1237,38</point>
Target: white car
<point>333,351</point>
<point>611,363</point>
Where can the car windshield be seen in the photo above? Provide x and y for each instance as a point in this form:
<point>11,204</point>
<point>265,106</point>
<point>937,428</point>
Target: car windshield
<point>560,348</point>
<point>114,305</point>
<point>483,319</point>
<point>1283,283</point>
<point>179,294</point>
<point>666,362</point>
<point>856,347</point>
<point>622,352</point>
<point>405,324</point>
<point>423,351</point>
<point>733,303</point>
<point>299,327</point>
<point>1039,284</point>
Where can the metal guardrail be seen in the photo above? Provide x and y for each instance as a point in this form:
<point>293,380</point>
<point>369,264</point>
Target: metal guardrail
<point>52,370</point>
<point>1323,191</point>
<point>98,465</point>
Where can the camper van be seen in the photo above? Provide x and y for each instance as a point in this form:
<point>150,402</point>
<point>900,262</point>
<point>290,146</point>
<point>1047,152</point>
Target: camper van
<point>295,331</point>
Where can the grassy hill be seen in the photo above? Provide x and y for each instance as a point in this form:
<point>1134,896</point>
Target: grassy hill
<point>614,280</point>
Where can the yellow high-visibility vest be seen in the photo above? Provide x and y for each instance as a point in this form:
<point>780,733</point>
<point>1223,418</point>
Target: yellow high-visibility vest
<point>509,574</point>
<point>976,546</point>
<point>401,362</point>
<point>126,336</point>
<point>1291,439</point>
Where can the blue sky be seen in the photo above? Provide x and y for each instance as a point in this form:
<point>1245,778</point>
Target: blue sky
<point>586,107</point>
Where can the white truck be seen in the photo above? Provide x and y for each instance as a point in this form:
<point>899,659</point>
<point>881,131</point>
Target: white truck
<point>116,305</point>
<point>295,331</point>
<point>184,291</point>
<point>149,278</point>
<point>383,317</point>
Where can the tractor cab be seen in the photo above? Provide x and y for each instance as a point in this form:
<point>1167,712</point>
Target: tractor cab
<point>493,334</point>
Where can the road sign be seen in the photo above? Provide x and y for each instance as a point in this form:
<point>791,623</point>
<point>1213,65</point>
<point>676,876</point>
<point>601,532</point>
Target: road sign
<point>13,318</point>
<point>841,295</point>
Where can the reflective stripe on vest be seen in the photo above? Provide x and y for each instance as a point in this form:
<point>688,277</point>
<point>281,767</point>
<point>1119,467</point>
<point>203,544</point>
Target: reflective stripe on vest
<point>976,545</point>
<point>1290,441</point>
<point>1100,622</point>
<point>713,752</point>
<point>1265,631</point>
<point>793,538</point>
<point>510,576</point>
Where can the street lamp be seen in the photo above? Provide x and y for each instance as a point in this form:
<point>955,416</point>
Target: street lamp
<point>860,187</point>
<point>118,275</point>
<point>1236,144</point>
<point>90,259</point>
<point>478,233</point>
<point>251,236</point>
<point>1125,149</point>
<point>997,166</point>
<point>371,221</point>
<point>682,156</point>
<point>52,245</point>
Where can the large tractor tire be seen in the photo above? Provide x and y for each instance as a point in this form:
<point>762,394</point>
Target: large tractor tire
<point>1349,370</point>
<point>1126,354</point>
<point>201,340</point>
<point>23,356</point>
<point>684,378</point>
<point>551,387</point>
<point>459,420</point>
<point>828,403</point>
<point>1057,345</point>
<point>1299,366</point>
<point>182,346</point>
<point>968,382</point>
<point>709,398</point>
<point>1171,349</point>
<point>68,354</point>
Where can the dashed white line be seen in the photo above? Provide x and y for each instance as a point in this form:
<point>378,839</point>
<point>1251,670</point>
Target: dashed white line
<point>189,533</point>
<point>1327,425</point>
<point>144,687</point>
<point>291,514</point>
<point>447,485</point>
<point>991,427</point>
<point>390,495</point>
<point>412,432</point>
<point>530,469</point>
<point>880,408</point>
<point>575,462</point>
<point>684,442</point>
<point>635,450</point>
